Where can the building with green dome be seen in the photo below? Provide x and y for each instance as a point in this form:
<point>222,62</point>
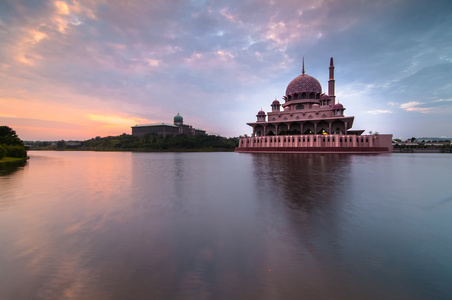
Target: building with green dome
<point>178,127</point>
<point>178,120</point>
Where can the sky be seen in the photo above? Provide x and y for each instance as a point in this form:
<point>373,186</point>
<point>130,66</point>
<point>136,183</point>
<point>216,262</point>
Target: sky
<point>75,70</point>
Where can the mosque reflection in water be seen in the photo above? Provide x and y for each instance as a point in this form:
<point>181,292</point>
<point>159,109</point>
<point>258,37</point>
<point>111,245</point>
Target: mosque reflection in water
<point>302,180</point>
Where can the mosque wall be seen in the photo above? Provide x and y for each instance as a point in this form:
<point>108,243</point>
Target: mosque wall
<point>316,143</point>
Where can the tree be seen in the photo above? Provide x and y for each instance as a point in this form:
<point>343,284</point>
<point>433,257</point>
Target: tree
<point>61,145</point>
<point>9,137</point>
<point>11,144</point>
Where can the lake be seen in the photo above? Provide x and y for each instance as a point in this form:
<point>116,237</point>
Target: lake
<point>121,225</point>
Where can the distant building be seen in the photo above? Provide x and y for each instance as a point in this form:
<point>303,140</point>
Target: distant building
<point>178,127</point>
<point>310,121</point>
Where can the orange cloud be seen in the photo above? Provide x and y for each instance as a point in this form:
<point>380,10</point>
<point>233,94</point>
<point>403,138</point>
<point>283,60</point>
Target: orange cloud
<point>62,7</point>
<point>412,106</point>
<point>24,46</point>
<point>38,119</point>
<point>116,121</point>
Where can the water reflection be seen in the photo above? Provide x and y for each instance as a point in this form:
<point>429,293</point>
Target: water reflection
<point>301,199</point>
<point>200,231</point>
<point>302,180</point>
<point>10,168</point>
<point>88,225</point>
<point>11,175</point>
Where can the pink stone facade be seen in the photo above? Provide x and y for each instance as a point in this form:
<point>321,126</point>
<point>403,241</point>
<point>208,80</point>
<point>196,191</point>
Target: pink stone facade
<point>333,143</point>
<point>309,121</point>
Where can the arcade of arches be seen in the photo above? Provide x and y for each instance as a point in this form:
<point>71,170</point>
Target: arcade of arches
<point>295,128</point>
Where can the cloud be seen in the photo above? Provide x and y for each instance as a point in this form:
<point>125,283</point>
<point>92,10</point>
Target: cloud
<point>108,120</point>
<point>409,105</point>
<point>218,61</point>
<point>424,110</point>
<point>433,106</point>
<point>24,47</point>
<point>443,100</point>
<point>378,112</point>
<point>413,106</point>
<point>37,123</point>
<point>62,7</point>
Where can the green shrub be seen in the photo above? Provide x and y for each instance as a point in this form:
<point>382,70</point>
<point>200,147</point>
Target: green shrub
<point>2,151</point>
<point>15,151</point>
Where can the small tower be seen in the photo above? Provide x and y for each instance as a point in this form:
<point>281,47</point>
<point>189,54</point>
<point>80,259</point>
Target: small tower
<point>275,105</point>
<point>338,110</point>
<point>261,116</point>
<point>331,83</point>
<point>178,120</point>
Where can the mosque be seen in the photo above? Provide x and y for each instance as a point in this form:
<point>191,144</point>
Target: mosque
<point>178,127</point>
<point>310,121</point>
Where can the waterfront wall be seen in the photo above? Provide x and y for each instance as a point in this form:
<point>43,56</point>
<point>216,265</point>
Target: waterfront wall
<point>317,143</point>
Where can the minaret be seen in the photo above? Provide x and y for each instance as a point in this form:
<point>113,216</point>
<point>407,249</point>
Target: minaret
<point>331,83</point>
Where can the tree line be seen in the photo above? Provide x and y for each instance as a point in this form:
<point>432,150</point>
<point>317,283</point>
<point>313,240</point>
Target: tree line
<point>155,142</point>
<point>148,142</point>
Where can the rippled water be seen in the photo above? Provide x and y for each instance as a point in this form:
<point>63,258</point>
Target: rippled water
<point>92,225</point>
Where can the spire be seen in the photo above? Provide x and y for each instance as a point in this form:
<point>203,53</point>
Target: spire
<point>331,69</point>
<point>331,82</point>
<point>303,66</point>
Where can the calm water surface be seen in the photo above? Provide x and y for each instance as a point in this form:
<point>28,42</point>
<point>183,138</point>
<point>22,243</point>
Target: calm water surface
<point>92,225</point>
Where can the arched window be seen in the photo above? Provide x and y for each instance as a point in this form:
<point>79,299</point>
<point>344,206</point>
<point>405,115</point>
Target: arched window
<point>299,106</point>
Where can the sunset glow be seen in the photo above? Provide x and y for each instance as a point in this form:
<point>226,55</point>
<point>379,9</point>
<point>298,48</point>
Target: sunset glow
<point>79,69</point>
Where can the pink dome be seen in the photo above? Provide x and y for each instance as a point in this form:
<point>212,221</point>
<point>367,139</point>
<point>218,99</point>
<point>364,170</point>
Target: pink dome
<point>303,83</point>
<point>261,113</point>
<point>275,102</point>
<point>338,106</point>
<point>325,96</point>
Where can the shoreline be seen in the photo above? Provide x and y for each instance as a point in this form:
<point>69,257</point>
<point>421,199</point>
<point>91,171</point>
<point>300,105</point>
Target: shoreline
<point>135,150</point>
<point>9,160</point>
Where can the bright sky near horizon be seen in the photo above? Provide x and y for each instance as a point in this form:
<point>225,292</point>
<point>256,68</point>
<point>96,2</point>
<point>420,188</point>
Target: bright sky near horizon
<point>74,70</point>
